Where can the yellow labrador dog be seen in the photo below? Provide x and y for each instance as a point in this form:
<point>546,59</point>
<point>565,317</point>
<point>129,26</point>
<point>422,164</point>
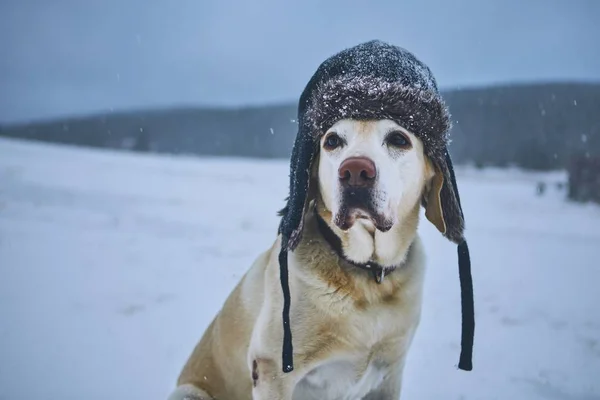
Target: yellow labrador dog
<point>354,277</point>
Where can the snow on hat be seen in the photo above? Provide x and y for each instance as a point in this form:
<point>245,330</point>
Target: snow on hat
<point>376,80</point>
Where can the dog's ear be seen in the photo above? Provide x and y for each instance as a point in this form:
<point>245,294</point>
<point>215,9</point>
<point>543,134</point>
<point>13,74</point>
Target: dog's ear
<point>433,198</point>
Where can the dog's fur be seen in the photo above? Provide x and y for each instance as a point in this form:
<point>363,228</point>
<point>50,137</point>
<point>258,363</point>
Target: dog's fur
<point>351,335</point>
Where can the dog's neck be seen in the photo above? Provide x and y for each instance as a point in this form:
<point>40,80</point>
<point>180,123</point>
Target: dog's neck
<point>381,253</point>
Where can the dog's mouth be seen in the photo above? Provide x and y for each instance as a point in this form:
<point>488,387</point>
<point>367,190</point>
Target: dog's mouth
<point>359,204</point>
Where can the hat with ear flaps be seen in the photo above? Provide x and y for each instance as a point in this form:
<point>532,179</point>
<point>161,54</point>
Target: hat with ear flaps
<point>376,80</point>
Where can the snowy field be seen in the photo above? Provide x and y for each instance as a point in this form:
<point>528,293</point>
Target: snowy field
<point>112,264</point>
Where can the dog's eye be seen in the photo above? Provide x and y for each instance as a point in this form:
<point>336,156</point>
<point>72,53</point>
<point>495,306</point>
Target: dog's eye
<point>332,141</point>
<point>398,139</point>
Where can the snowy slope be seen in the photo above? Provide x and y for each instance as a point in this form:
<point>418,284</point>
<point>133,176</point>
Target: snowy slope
<point>112,264</point>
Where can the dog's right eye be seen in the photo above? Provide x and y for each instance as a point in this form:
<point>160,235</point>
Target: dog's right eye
<point>332,141</point>
<point>399,140</point>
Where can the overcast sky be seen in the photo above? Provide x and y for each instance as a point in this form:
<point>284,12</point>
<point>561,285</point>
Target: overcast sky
<point>63,57</point>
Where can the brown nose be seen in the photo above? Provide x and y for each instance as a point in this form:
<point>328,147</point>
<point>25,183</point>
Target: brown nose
<point>357,172</point>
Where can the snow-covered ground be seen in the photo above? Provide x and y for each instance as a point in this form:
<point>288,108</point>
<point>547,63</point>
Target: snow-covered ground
<point>112,264</point>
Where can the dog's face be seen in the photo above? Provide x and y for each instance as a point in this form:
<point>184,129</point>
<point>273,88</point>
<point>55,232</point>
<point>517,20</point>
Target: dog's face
<point>371,172</point>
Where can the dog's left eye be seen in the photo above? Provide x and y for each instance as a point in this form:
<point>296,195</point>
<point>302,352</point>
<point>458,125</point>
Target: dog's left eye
<point>398,139</point>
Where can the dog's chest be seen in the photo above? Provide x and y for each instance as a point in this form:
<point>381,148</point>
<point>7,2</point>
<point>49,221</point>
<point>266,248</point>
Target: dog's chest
<point>341,380</point>
<point>353,375</point>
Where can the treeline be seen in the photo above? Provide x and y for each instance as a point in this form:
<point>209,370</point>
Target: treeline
<point>531,126</point>
<point>250,132</point>
<point>536,126</point>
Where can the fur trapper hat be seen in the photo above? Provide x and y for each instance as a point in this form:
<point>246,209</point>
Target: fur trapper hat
<point>376,80</point>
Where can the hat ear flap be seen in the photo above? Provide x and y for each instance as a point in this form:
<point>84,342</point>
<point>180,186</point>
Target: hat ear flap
<point>296,234</point>
<point>451,207</point>
<point>441,201</point>
<point>433,201</point>
<point>301,190</point>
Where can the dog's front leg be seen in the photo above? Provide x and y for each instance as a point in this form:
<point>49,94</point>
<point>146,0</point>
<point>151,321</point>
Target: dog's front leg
<point>270,382</point>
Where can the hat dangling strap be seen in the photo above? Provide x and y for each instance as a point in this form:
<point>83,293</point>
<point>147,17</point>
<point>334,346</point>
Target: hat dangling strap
<point>287,354</point>
<point>468,312</point>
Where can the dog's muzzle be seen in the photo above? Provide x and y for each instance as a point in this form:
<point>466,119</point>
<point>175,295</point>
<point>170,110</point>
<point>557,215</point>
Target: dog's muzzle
<point>357,172</point>
<point>357,176</point>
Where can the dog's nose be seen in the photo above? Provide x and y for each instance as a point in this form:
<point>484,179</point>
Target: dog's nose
<point>357,172</point>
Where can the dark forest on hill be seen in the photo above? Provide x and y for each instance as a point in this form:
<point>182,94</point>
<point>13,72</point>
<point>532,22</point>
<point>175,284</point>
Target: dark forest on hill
<point>534,126</point>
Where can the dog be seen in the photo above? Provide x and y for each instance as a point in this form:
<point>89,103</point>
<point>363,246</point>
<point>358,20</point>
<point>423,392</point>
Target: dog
<point>354,333</point>
<point>370,152</point>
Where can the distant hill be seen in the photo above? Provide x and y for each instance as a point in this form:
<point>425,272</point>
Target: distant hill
<point>537,126</point>
<point>533,126</point>
<point>252,132</point>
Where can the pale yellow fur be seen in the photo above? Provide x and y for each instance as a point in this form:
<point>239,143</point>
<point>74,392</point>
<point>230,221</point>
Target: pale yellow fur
<point>350,335</point>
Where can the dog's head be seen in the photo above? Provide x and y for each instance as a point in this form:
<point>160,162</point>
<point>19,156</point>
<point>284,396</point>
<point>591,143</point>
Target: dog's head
<point>373,173</point>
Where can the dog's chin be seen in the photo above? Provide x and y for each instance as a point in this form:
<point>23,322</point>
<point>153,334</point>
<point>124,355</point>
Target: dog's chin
<point>345,219</point>
<point>358,205</point>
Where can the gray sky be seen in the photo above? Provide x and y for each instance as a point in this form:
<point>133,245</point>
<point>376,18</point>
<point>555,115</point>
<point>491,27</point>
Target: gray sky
<point>63,57</point>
